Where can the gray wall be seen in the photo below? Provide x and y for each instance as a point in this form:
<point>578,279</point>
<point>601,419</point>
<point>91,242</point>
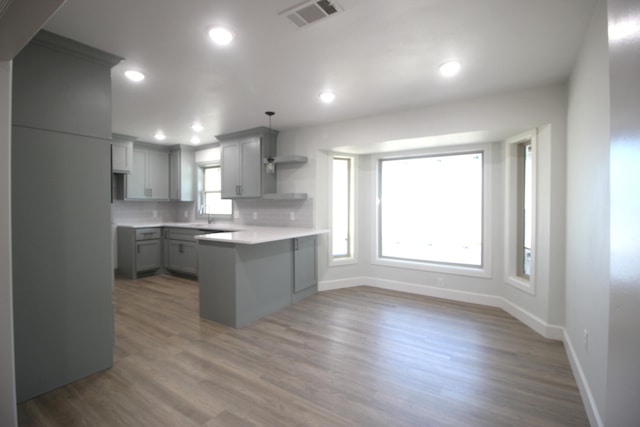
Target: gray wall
<point>623,375</point>
<point>7,378</point>
<point>587,272</point>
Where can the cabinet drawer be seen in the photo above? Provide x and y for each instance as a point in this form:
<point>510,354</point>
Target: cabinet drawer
<point>148,233</point>
<point>185,234</point>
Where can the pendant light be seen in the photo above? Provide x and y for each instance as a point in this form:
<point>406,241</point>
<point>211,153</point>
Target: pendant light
<point>271,163</point>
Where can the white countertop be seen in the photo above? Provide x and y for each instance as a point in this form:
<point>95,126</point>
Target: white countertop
<point>237,233</point>
<point>227,226</point>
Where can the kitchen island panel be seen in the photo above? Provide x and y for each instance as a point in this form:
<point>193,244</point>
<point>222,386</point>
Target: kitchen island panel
<point>243,283</point>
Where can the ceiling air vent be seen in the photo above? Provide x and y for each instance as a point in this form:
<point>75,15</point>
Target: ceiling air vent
<point>311,11</point>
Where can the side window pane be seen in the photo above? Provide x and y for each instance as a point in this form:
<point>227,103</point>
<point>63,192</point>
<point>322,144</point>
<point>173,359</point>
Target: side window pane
<point>431,209</point>
<point>525,212</point>
<point>341,215</point>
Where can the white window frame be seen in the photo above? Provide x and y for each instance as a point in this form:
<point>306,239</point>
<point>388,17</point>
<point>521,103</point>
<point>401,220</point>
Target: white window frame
<point>353,258</point>
<point>200,189</point>
<point>511,162</point>
<point>483,271</point>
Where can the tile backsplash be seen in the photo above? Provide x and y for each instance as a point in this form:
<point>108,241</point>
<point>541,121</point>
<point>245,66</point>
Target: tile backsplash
<point>277,213</point>
<point>123,212</point>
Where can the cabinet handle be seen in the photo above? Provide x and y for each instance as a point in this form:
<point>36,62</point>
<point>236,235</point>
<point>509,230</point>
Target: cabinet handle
<point>151,192</point>
<point>138,245</point>
<point>180,248</point>
<point>295,244</point>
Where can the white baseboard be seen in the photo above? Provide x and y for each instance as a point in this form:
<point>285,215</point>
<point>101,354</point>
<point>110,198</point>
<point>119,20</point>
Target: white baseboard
<point>547,330</point>
<point>583,384</point>
<point>552,332</point>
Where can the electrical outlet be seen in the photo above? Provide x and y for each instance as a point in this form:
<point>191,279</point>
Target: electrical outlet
<point>255,216</point>
<point>186,214</point>
<point>585,339</point>
<point>154,213</point>
<point>292,216</point>
<point>236,214</point>
<point>440,282</point>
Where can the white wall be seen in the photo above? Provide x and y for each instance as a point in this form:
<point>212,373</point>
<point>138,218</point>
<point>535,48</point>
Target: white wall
<point>506,114</point>
<point>587,255</point>
<point>7,378</point>
<point>623,374</point>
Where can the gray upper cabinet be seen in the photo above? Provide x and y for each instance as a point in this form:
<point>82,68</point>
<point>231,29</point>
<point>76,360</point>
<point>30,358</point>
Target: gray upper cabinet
<point>243,173</point>
<point>72,96</point>
<point>149,179</point>
<point>182,174</point>
<point>240,163</point>
<point>121,157</point>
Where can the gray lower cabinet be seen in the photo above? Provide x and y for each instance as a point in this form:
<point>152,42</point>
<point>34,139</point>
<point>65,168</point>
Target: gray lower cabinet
<point>305,275</point>
<point>139,250</point>
<point>182,250</point>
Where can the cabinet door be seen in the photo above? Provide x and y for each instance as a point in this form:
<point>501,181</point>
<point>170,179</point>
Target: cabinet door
<point>148,255</point>
<point>251,168</point>
<point>230,165</point>
<point>158,174</point>
<point>183,257</point>
<point>136,180</point>
<point>174,175</point>
<point>304,263</point>
<point>121,157</point>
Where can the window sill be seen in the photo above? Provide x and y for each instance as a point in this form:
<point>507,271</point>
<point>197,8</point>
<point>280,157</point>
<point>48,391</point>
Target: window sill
<point>522,284</point>
<point>482,272</point>
<point>336,262</point>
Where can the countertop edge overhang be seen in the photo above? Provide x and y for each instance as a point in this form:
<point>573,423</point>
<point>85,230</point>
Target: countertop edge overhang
<point>236,233</point>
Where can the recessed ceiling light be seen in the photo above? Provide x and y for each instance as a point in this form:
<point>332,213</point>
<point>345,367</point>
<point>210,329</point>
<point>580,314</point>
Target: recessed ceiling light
<point>195,140</point>
<point>160,136</point>
<point>134,76</point>
<point>221,36</point>
<point>450,68</point>
<point>197,127</point>
<point>327,97</point>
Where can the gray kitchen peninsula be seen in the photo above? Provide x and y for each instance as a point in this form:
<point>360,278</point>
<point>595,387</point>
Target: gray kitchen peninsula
<point>248,274</point>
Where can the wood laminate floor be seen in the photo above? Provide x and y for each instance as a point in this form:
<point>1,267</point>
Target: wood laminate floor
<point>351,357</point>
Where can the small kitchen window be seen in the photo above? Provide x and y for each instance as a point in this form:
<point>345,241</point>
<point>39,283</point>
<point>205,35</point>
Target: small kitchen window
<point>210,194</point>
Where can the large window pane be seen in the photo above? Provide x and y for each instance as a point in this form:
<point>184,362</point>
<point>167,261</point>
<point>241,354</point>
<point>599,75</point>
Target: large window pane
<point>431,208</point>
<point>341,203</point>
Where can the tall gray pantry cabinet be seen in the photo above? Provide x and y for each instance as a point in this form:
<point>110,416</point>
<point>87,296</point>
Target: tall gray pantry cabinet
<point>62,267</point>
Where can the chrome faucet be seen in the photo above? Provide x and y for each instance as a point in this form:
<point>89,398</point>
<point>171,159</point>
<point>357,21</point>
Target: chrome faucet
<point>204,210</point>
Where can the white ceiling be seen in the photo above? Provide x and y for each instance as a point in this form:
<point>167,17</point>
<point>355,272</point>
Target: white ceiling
<point>377,56</point>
